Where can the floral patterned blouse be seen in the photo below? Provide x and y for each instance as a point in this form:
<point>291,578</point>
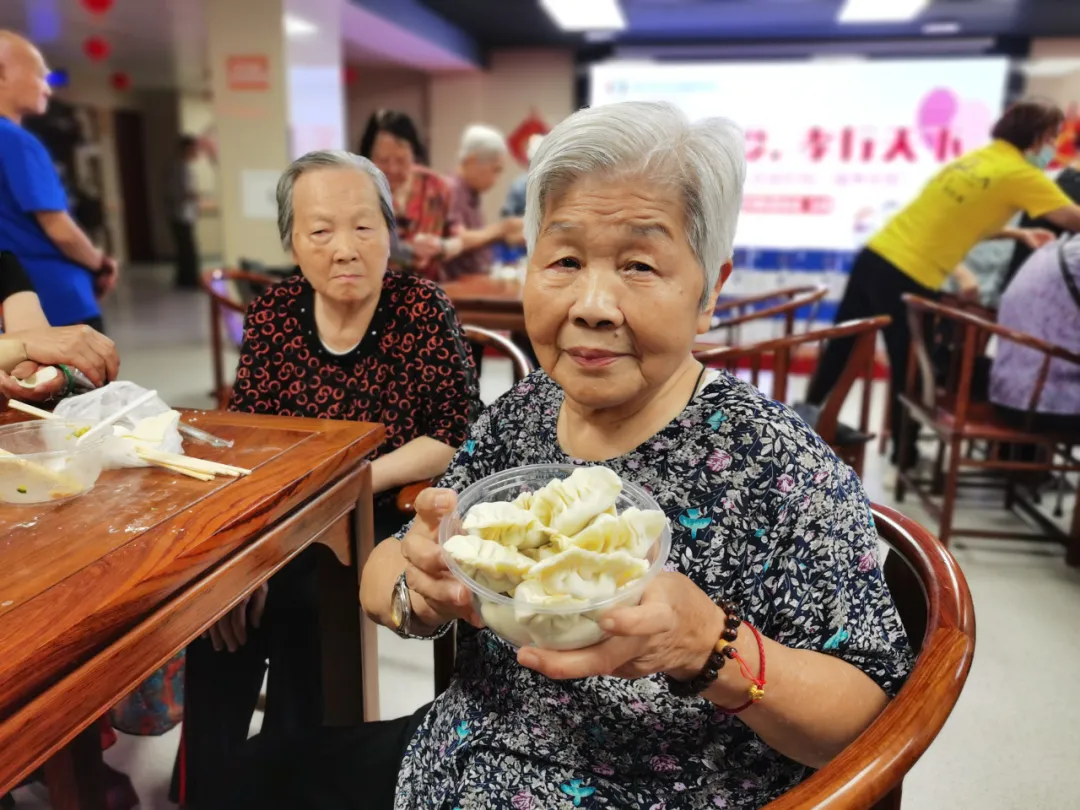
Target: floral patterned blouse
<point>763,513</point>
<point>426,209</point>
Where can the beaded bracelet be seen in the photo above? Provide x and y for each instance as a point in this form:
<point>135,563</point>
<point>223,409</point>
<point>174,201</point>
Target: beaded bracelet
<point>711,671</point>
<point>718,657</point>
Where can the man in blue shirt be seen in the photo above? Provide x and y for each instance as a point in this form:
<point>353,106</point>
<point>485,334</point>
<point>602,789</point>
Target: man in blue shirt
<point>69,273</point>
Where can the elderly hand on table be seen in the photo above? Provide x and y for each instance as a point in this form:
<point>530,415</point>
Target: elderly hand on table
<point>77,346</point>
<point>231,630</point>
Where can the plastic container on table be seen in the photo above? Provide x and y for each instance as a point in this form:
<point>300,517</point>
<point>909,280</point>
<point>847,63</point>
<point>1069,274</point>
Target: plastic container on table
<point>41,462</point>
<point>552,628</point>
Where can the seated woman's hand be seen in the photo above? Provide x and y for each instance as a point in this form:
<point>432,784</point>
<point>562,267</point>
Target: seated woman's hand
<point>80,346</point>
<point>10,387</point>
<point>673,630</point>
<point>437,596</point>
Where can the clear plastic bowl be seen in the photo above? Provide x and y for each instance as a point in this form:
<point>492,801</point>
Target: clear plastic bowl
<point>551,628</point>
<point>40,462</point>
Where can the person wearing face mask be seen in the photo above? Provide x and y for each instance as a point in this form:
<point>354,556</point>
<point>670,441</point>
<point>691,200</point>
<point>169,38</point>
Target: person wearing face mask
<point>969,200</point>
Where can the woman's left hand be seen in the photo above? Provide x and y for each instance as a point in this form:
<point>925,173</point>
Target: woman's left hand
<point>673,630</point>
<point>10,388</point>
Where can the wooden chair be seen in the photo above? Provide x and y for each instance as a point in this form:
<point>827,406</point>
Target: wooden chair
<point>848,443</point>
<point>522,368</point>
<point>230,292</point>
<point>945,404</point>
<point>935,607</point>
<point>784,303</point>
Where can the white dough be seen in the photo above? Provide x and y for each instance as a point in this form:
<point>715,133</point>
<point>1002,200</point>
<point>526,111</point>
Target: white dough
<point>569,504</point>
<point>634,531</point>
<point>583,574</point>
<point>506,524</point>
<point>493,566</point>
<point>40,377</point>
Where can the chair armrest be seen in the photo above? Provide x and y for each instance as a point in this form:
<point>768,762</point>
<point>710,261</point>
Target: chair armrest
<point>406,499</point>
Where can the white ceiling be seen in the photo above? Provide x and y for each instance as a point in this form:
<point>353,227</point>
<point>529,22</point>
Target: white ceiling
<point>160,43</point>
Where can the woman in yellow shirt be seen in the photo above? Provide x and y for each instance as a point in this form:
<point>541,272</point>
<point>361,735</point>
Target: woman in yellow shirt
<point>969,200</point>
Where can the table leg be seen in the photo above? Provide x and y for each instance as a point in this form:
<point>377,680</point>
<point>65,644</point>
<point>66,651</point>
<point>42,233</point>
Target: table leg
<point>350,655</point>
<point>75,774</point>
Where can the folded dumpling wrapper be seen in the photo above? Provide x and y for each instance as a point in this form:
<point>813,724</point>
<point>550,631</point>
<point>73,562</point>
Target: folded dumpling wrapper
<point>506,524</point>
<point>582,574</point>
<point>568,505</point>
<point>634,531</point>
<point>43,375</point>
<point>491,565</point>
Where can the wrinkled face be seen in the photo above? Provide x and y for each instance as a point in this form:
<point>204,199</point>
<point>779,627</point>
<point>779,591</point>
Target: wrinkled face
<point>394,157</point>
<point>482,174</point>
<point>613,292</point>
<point>340,240</point>
<point>24,80</point>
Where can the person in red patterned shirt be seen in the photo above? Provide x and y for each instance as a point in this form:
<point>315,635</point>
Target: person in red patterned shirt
<point>343,338</point>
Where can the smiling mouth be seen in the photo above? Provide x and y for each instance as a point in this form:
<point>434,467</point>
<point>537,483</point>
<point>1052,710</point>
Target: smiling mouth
<point>593,358</point>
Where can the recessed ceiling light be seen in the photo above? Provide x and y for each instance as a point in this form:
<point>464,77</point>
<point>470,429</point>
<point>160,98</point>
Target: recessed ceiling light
<point>298,26</point>
<point>872,11</point>
<point>1051,67</point>
<point>585,15</point>
<point>941,29</point>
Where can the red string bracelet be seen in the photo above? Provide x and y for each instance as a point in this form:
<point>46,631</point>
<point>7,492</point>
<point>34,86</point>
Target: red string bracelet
<point>757,685</point>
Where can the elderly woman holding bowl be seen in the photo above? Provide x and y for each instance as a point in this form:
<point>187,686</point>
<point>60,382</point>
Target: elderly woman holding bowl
<point>343,338</point>
<point>630,219</point>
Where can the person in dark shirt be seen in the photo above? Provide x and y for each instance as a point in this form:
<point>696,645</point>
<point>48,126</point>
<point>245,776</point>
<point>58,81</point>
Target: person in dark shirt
<point>344,338</point>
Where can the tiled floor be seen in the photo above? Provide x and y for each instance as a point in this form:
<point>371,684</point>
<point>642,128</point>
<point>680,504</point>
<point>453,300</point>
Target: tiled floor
<point>1013,742</point>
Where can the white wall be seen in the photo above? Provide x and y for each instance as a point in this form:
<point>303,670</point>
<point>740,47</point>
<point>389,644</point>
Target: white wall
<point>1064,89</point>
<point>379,88</point>
<point>196,113</point>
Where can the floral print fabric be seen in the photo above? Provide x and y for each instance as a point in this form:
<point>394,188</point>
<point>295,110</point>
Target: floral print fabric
<point>763,513</point>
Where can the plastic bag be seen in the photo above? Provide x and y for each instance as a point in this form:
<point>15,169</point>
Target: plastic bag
<point>120,447</point>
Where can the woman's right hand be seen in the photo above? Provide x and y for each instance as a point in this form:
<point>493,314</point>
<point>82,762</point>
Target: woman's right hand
<point>437,596</point>
<point>80,346</point>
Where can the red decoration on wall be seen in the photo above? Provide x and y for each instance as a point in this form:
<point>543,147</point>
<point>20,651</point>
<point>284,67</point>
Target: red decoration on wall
<point>98,6</point>
<point>518,140</point>
<point>350,75</point>
<point>97,48</point>
<point>121,81</point>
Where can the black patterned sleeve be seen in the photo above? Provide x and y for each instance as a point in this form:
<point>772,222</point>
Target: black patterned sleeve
<point>249,394</point>
<point>825,590</point>
<point>448,385</point>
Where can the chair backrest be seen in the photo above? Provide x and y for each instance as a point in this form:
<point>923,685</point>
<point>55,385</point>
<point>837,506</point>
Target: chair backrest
<point>783,304</point>
<point>935,606</point>
<point>523,367</point>
<point>971,333</point>
<point>860,363</point>
<point>227,310</point>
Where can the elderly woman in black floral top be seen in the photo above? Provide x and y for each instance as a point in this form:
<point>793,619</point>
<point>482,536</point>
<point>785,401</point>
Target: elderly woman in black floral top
<point>344,338</point>
<point>630,219</point>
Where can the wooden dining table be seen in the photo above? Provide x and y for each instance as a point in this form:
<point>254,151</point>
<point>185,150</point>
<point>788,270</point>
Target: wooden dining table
<point>488,302</point>
<point>98,592</point>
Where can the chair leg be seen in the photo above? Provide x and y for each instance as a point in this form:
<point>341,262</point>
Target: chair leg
<point>952,480</point>
<point>902,454</point>
<point>1072,553</point>
<point>938,483</point>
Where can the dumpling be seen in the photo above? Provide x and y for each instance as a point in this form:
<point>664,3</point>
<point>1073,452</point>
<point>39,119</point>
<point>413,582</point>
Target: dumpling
<point>523,501</point>
<point>581,574</point>
<point>491,565</point>
<point>546,551</point>
<point>569,504</point>
<point>634,531</point>
<point>506,524</point>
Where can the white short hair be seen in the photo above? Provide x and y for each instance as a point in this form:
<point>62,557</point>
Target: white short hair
<point>656,142</point>
<point>482,142</point>
<point>329,159</point>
